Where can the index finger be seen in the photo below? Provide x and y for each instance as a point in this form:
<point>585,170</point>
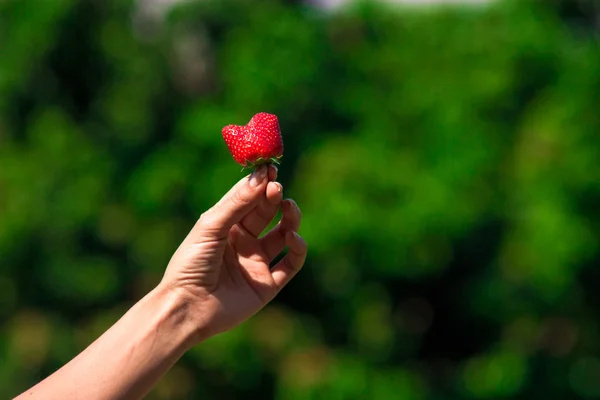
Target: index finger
<point>236,203</point>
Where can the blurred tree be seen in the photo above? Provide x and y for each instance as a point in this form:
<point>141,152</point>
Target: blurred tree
<point>445,161</point>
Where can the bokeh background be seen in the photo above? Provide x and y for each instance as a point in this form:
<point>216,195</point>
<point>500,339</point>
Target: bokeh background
<point>445,157</point>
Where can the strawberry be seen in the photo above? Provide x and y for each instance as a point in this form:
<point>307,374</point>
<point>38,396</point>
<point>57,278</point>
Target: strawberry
<point>259,142</point>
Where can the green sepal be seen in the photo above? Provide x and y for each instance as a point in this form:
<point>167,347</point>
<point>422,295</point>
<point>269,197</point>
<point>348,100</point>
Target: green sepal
<point>252,166</point>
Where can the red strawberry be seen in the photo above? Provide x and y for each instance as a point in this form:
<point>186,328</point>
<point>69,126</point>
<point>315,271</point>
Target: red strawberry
<point>257,143</point>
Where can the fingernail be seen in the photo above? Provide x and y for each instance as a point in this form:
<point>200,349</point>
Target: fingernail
<point>279,187</point>
<point>258,176</point>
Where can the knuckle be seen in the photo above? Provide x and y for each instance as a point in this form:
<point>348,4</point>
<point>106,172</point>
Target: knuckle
<point>207,220</point>
<point>289,264</point>
<point>296,208</point>
<point>303,245</point>
<point>264,214</point>
<point>240,199</point>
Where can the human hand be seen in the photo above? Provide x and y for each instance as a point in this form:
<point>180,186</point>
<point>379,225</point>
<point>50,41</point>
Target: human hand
<point>221,270</point>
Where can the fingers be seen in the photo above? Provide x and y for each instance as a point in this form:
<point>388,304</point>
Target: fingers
<point>293,261</point>
<point>272,172</point>
<point>239,201</point>
<point>259,218</point>
<point>274,241</point>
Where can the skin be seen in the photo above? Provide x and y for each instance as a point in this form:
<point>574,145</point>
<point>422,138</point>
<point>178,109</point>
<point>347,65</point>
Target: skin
<point>217,278</point>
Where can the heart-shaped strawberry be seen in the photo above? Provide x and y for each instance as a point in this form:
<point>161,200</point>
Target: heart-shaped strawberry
<point>259,142</point>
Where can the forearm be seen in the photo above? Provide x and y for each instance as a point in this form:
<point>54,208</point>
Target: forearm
<point>129,358</point>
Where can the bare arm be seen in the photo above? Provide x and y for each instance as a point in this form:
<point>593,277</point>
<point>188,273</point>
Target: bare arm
<point>217,278</point>
<point>129,358</point>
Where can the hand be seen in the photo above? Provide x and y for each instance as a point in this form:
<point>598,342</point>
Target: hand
<point>221,270</point>
<point>217,278</point>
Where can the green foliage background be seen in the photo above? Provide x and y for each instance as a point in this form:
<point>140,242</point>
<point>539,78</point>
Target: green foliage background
<point>446,161</point>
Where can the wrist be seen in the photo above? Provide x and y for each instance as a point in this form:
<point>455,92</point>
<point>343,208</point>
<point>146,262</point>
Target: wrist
<point>181,315</point>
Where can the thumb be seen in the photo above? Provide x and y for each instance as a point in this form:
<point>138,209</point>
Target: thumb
<point>234,206</point>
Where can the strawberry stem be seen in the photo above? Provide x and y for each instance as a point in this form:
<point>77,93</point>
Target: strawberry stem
<point>260,161</point>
